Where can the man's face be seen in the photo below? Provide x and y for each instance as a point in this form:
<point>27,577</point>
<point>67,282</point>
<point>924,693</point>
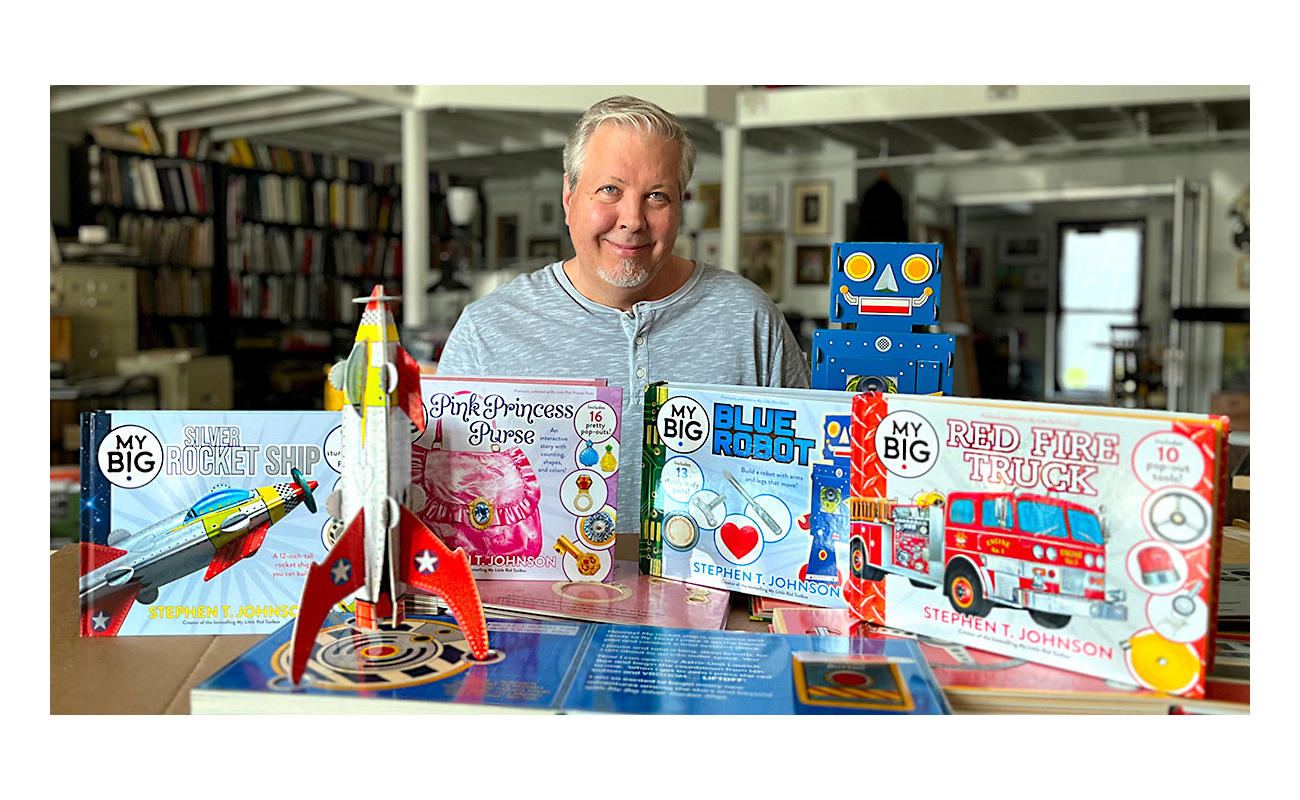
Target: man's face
<point>624,213</point>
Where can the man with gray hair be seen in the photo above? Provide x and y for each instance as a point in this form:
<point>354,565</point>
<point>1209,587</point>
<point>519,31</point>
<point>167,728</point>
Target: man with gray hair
<point>625,308</point>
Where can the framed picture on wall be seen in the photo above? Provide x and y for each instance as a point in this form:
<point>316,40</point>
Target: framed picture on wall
<point>812,265</point>
<point>546,216</point>
<point>974,268</point>
<point>1022,248</point>
<point>507,236</point>
<point>812,207</point>
<point>760,261</point>
<point>711,199</point>
<point>544,248</point>
<point>760,205</point>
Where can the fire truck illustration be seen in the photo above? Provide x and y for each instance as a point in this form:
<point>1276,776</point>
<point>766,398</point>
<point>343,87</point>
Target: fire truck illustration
<point>1042,554</point>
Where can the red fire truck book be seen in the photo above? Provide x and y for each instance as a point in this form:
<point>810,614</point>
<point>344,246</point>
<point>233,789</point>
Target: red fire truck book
<point>746,489</point>
<point>522,474</point>
<point>1079,537</point>
<point>200,522</point>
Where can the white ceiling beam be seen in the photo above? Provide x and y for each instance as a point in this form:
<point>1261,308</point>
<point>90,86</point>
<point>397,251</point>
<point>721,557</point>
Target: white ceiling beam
<point>256,110</point>
<point>73,98</point>
<point>759,108</point>
<point>995,138</point>
<point>203,97</point>
<point>397,96</point>
<point>929,137</point>
<point>468,126</point>
<point>322,143</point>
<point>346,137</point>
<point>300,122</point>
<point>193,99</point>
<point>522,121</point>
<point>1062,131</point>
<point>691,101</point>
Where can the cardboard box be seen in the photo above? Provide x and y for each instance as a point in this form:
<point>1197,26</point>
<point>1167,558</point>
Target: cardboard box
<point>1233,405</point>
<point>130,675</point>
<point>60,337</point>
<point>187,379</point>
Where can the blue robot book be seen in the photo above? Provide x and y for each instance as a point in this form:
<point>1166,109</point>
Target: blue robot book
<point>747,490</point>
<point>201,522</point>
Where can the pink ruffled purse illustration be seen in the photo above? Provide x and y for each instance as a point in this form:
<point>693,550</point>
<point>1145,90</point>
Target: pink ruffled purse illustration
<point>485,502</point>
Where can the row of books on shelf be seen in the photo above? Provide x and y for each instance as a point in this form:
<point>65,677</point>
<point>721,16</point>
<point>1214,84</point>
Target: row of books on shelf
<point>126,181</point>
<point>305,298</point>
<point>160,332</point>
<point>174,292</point>
<point>244,154</point>
<point>316,203</point>
<point>255,248</point>
<point>176,241</point>
<point>141,137</point>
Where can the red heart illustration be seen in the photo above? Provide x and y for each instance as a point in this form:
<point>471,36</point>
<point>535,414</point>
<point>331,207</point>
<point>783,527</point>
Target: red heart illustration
<point>740,541</point>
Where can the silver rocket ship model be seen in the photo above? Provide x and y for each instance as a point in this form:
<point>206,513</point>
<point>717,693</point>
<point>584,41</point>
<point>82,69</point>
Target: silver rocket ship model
<point>383,549</point>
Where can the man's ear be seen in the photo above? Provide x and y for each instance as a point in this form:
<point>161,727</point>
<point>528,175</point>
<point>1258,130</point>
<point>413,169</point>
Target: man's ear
<point>565,197</point>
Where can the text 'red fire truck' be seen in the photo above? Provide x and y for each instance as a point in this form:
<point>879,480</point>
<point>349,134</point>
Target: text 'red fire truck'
<point>1027,551</point>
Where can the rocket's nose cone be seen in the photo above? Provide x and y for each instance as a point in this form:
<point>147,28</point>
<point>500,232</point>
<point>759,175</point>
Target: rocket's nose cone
<point>312,485</point>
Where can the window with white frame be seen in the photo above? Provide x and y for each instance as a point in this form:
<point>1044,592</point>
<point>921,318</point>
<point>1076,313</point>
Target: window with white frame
<point>1100,286</point>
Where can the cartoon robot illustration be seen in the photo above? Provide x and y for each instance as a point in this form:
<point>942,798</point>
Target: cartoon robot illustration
<point>879,292</point>
<point>828,518</point>
<point>222,528</point>
<point>384,548</point>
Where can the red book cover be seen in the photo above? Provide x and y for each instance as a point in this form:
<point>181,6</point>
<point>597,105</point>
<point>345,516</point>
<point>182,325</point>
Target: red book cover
<point>1079,537</point>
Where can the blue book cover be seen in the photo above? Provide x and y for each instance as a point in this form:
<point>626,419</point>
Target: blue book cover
<point>746,489</point>
<point>201,522</point>
<point>573,667</point>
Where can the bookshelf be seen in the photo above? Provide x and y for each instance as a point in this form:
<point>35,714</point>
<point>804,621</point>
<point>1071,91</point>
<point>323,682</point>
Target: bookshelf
<point>162,207</point>
<point>305,233</point>
<point>246,250</point>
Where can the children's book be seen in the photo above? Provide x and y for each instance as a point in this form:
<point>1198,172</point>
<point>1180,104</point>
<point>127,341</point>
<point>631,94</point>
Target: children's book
<point>201,522</point>
<point>762,608</point>
<point>629,598</point>
<point>1234,595</point>
<point>747,489</point>
<point>522,474</point>
<point>574,667</point>
<point>1079,537</point>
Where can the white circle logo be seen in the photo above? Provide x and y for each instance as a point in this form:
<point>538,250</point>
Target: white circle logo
<point>906,444</point>
<point>683,424</point>
<point>130,456</point>
<point>334,449</point>
<point>595,420</point>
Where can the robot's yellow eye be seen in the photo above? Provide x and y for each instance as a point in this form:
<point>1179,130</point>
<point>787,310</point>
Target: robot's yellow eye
<point>833,428</point>
<point>918,269</point>
<point>859,266</point>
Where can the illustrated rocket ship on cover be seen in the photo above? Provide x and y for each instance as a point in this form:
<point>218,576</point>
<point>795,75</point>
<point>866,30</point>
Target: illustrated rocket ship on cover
<point>383,549</point>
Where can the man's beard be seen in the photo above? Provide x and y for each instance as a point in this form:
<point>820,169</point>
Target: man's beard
<point>626,275</point>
